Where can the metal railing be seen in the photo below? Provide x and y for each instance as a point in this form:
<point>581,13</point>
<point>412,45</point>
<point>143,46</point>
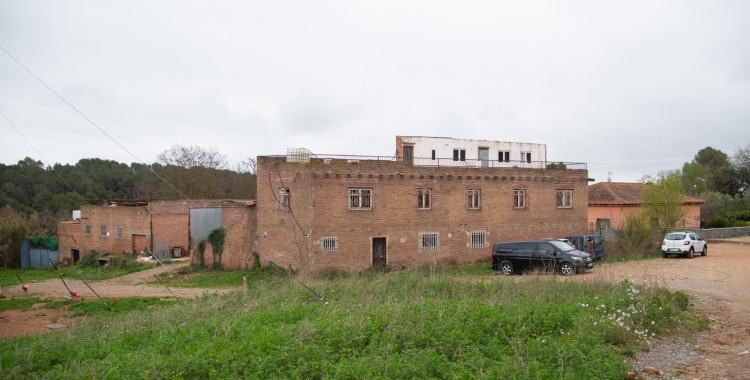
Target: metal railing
<point>338,159</point>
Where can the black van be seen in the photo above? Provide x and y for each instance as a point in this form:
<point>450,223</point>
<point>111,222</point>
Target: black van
<point>518,256</point>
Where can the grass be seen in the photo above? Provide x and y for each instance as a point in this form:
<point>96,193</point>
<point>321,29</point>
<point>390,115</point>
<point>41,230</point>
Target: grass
<point>23,303</point>
<point>90,308</point>
<point>194,276</point>
<point>9,277</point>
<point>370,325</point>
<point>620,257</point>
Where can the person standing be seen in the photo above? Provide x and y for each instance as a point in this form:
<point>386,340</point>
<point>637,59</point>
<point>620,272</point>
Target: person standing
<point>590,247</point>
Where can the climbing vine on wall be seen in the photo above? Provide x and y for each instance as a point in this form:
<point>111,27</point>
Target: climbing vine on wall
<point>216,239</point>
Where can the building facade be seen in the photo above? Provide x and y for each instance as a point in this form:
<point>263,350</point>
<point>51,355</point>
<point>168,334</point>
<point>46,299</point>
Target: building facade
<point>447,151</point>
<point>610,202</point>
<point>352,214</point>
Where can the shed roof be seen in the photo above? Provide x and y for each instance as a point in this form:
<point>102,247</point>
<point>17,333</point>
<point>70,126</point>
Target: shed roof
<point>624,194</point>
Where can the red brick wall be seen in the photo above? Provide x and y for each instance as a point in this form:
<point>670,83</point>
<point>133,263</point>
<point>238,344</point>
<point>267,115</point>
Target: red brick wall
<point>239,239</point>
<point>68,237</point>
<point>133,220</point>
<point>319,200</point>
<point>170,230</point>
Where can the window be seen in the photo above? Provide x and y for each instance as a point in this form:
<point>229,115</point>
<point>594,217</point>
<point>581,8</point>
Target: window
<point>119,232</point>
<point>433,154</point>
<point>526,156</point>
<point>87,229</point>
<point>429,241</point>
<point>424,199</point>
<point>564,198</point>
<point>503,156</point>
<point>475,197</point>
<point>284,198</point>
<point>519,198</point>
<point>478,239</point>
<point>329,244</point>
<point>102,230</point>
<point>459,154</point>
<point>360,199</point>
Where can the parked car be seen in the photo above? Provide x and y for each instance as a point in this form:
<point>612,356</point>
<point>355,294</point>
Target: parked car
<point>683,244</point>
<point>579,241</point>
<point>548,254</point>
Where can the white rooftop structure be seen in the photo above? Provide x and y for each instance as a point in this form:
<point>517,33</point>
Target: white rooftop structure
<point>422,149</point>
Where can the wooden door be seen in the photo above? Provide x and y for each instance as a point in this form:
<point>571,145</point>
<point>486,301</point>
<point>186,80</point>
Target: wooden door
<point>379,259</point>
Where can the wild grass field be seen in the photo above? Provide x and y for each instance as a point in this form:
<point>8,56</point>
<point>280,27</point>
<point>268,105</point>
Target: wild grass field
<point>369,325</point>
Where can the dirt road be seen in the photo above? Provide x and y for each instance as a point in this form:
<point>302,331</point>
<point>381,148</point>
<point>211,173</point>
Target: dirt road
<point>719,287</point>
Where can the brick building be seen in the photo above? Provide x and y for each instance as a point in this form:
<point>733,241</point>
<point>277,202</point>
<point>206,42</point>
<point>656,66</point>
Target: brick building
<point>353,213</point>
<point>167,228</point>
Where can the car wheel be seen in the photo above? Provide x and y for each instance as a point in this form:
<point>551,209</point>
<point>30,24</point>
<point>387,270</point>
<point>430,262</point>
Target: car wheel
<point>664,254</point>
<point>705,250</point>
<point>690,253</point>
<point>567,269</point>
<point>507,268</point>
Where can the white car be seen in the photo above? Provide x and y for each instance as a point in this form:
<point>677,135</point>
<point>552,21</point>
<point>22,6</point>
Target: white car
<point>683,243</point>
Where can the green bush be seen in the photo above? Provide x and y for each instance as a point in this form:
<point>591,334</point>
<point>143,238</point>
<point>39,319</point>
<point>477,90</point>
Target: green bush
<point>635,237</point>
<point>717,222</point>
<point>743,215</point>
<point>89,261</point>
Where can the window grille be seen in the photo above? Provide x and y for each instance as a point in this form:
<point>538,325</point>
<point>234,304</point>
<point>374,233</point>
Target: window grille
<point>474,197</point>
<point>519,198</point>
<point>478,239</point>
<point>102,230</point>
<point>119,232</point>
<point>429,241</point>
<point>564,198</point>
<point>424,199</point>
<point>360,199</point>
<point>329,244</point>
<point>284,196</point>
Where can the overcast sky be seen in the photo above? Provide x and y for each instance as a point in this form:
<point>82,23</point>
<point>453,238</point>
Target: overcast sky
<point>627,87</point>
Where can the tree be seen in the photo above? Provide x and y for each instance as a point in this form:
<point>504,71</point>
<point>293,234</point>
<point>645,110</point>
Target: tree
<point>722,176</point>
<point>694,178</point>
<point>192,156</point>
<point>741,163</point>
<point>662,202</point>
<point>13,229</point>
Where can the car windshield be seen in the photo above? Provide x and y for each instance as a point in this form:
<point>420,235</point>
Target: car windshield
<point>675,237</point>
<point>597,240</point>
<point>565,247</point>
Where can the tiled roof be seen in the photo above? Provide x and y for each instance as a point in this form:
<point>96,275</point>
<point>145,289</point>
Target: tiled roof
<point>624,193</point>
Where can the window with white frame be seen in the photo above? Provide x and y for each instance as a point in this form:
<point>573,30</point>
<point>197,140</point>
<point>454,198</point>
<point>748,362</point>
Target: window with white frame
<point>526,157</point>
<point>503,156</point>
<point>360,199</point>
<point>284,196</point>
<point>478,239</point>
<point>429,241</point>
<point>564,198</point>
<point>102,230</point>
<point>120,232</point>
<point>459,154</point>
<point>474,197</point>
<point>329,244</point>
<point>424,199</point>
<point>519,198</point>
<point>87,229</point>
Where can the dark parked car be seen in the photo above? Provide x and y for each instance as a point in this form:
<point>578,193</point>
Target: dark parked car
<point>579,241</point>
<point>518,256</point>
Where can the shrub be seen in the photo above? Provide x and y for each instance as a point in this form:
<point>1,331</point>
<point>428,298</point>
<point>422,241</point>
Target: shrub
<point>636,235</point>
<point>717,222</point>
<point>89,261</point>
<point>743,215</point>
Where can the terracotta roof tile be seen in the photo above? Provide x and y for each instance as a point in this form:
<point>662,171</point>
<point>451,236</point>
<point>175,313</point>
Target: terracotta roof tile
<point>623,193</point>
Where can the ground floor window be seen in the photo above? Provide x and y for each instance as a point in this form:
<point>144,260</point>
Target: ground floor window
<point>478,239</point>
<point>429,241</point>
<point>564,198</point>
<point>329,244</point>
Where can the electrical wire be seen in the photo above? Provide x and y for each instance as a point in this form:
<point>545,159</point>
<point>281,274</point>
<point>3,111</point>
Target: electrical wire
<point>92,123</point>
<point>40,154</point>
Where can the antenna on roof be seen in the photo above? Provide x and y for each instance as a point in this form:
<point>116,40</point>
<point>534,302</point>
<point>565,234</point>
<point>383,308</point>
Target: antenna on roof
<point>609,179</point>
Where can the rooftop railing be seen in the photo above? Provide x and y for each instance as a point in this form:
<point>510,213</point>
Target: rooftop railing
<point>338,159</point>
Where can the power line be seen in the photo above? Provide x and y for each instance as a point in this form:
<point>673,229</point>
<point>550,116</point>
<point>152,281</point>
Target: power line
<point>40,154</point>
<point>92,123</point>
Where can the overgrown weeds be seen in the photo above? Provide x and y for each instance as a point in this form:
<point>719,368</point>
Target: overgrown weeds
<point>368,325</point>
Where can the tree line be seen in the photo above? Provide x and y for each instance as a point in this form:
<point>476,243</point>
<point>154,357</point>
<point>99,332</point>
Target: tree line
<point>48,194</point>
